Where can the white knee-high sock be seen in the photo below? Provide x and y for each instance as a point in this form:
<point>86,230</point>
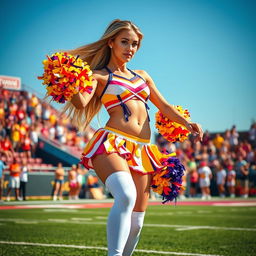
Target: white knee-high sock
<point>133,239</point>
<point>123,189</point>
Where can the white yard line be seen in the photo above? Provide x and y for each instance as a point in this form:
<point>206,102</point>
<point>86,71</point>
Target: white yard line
<point>101,217</point>
<point>81,219</point>
<point>61,210</point>
<point>188,227</point>
<point>26,222</point>
<point>235,204</point>
<point>87,222</point>
<point>104,248</point>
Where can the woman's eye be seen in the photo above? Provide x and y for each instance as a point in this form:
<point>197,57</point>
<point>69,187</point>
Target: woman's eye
<point>134,45</point>
<point>124,42</point>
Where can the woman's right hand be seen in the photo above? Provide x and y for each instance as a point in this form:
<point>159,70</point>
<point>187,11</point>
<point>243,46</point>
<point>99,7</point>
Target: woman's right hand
<point>195,129</point>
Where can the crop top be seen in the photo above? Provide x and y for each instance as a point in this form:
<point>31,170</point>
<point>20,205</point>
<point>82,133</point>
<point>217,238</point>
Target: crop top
<point>119,90</point>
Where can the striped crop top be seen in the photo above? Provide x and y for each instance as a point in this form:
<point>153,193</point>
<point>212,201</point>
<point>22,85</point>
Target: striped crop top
<point>119,90</point>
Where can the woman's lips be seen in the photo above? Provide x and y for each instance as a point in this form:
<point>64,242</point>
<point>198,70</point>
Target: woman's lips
<point>127,55</point>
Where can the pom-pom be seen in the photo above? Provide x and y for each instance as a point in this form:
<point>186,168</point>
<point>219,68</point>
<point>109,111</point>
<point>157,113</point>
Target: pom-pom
<point>65,75</point>
<point>167,182</point>
<point>170,130</point>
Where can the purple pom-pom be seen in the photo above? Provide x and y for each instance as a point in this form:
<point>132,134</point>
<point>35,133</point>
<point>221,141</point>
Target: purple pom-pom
<point>174,172</point>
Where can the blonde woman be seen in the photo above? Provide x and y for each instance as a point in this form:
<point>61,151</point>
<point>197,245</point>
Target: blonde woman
<point>120,152</point>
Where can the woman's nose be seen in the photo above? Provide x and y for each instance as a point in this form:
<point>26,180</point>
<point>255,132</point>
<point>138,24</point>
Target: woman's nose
<point>130,47</point>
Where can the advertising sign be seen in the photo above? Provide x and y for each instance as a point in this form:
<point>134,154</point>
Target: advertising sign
<point>10,82</point>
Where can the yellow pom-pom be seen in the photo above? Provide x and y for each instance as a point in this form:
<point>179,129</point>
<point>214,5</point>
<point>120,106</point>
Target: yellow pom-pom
<point>170,130</point>
<point>66,75</point>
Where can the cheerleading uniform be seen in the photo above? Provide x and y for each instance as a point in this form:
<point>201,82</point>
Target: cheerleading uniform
<point>140,155</point>
<point>119,90</point>
<point>124,225</point>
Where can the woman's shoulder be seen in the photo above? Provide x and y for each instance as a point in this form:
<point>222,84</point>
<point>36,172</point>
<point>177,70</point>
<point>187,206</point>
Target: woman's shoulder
<point>142,73</point>
<point>100,74</point>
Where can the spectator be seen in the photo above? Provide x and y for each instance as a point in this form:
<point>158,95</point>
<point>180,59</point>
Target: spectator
<point>73,184</point>
<point>183,188</point>
<point>6,148</point>
<point>34,139</point>
<point>233,140</point>
<point>204,156</point>
<point>60,132</point>
<point>252,135</point>
<point>2,167</point>
<point>205,175</point>
<point>52,118</point>
<point>227,135</point>
<point>37,109</point>
<point>212,156</point>
<point>14,180</point>
<point>2,131</point>
<point>16,137</point>
<point>52,132</point>
<point>221,179</point>
<point>2,111</point>
<point>23,179</point>
<point>96,191</point>
<point>206,138</point>
<point>197,151</point>
<point>44,129</point>
<point>46,112</point>
<point>231,181</point>
<point>193,176</point>
<point>80,179</point>
<point>218,141</point>
<point>243,170</point>
<point>26,146</point>
<point>58,182</point>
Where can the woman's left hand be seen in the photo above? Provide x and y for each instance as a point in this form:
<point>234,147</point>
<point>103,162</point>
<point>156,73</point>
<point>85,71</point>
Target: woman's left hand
<point>195,129</point>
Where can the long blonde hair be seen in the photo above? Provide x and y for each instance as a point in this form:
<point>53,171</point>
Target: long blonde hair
<point>97,55</point>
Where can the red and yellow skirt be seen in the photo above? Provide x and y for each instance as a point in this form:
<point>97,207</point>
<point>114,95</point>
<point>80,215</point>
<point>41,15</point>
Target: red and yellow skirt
<point>141,156</point>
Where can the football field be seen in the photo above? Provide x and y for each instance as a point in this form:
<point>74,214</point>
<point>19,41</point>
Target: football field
<point>79,229</point>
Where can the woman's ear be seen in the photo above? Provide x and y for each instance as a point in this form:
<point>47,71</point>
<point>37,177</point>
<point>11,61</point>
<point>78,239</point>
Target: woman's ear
<point>110,43</point>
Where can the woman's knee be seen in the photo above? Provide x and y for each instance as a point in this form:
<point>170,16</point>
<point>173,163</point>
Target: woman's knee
<point>128,197</point>
<point>121,186</point>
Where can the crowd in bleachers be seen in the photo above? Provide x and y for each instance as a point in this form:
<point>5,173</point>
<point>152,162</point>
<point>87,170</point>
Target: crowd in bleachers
<point>225,163</point>
<point>227,160</point>
<point>23,117</point>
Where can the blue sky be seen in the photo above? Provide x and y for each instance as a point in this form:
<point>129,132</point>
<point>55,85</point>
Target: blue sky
<point>200,53</point>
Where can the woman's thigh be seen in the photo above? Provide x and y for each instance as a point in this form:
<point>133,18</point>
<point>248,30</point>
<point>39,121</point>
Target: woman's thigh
<point>57,186</point>
<point>106,164</point>
<point>142,183</point>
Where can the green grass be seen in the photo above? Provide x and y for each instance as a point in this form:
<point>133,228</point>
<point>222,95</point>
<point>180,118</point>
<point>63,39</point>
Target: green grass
<point>87,227</point>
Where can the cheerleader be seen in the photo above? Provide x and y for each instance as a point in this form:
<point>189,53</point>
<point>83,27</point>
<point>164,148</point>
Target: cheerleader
<point>121,153</point>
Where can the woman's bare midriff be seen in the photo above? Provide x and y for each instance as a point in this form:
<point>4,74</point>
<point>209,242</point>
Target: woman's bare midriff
<point>138,124</point>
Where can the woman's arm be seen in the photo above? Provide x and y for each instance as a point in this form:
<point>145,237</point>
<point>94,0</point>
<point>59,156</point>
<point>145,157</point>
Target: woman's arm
<point>80,100</point>
<point>167,109</point>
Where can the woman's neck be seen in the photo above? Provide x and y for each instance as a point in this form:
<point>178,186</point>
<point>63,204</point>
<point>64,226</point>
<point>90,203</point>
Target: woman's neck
<point>115,65</point>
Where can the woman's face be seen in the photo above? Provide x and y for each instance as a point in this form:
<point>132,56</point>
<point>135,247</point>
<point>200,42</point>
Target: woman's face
<point>125,45</point>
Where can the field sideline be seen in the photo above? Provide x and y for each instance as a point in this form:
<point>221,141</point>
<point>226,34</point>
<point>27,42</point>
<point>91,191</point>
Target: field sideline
<point>196,228</point>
